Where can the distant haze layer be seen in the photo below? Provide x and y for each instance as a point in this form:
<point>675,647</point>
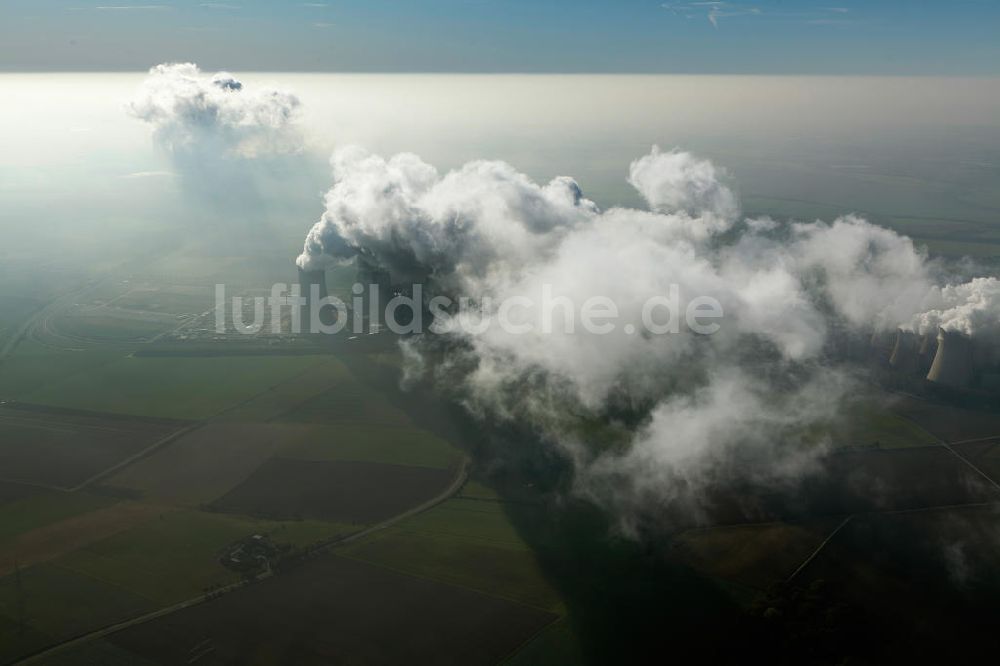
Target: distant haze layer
<point>899,149</point>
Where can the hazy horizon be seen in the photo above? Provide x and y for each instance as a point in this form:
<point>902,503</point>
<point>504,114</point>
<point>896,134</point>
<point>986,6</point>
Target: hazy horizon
<point>891,147</point>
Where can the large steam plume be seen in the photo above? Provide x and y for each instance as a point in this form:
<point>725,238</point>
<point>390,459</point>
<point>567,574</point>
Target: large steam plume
<point>237,148</point>
<point>194,112</point>
<point>679,411</point>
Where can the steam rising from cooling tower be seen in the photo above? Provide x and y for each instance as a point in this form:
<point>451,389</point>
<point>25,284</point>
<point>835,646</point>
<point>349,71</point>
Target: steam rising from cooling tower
<point>679,411</point>
<point>696,404</point>
<point>952,365</point>
<point>236,147</point>
<point>312,287</point>
<point>905,355</point>
<point>194,113</point>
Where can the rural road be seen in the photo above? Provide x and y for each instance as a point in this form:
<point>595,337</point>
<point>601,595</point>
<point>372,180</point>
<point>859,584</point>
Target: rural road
<point>461,476</point>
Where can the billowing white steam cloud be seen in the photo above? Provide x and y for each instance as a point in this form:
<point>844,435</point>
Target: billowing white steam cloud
<point>971,308</point>
<point>237,149</point>
<point>487,231</point>
<point>193,112</point>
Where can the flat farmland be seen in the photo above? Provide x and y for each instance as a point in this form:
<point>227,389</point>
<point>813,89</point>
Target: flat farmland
<point>327,373</point>
<point>343,492</point>
<point>942,566</point>
<point>33,365</point>
<point>64,449</point>
<point>895,479</point>
<point>373,443</point>
<point>463,542</point>
<point>12,492</point>
<point>45,507</point>
<point>755,556</point>
<point>174,555</point>
<point>109,325</point>
<point>51,541</point>
<point>873,426</point>
<point>183,388</point>
<point>947,422</point>
<point>171,299</point>
<point>850,481</point>
<point>984,455</point>
<point>205,463</point>
<point>350,403</point>
<point>338,611</point>
<point>55,604</point>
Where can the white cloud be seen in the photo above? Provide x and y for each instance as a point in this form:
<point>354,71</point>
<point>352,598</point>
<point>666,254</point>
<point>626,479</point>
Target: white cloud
<point>488,231</point>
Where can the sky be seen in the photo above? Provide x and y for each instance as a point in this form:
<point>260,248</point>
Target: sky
<point>866,37</point>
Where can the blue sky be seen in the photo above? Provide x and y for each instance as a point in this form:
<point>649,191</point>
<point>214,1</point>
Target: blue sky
<point>947,37</point>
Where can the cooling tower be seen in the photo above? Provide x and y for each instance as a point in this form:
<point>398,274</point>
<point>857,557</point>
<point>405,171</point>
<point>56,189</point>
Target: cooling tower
<point>905,356</point>
<point>926,352</point>
<point>377,291</point>
<point>881,345</point>
<point>952,364</point>
<point>306,281</point>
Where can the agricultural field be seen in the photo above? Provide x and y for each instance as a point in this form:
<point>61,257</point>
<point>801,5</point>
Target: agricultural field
<point>174,555</point>
<point>12,492</point>
<point>36,509</point>
<point>163,387</point>
<point>203,464</point>
<point>14,310</point>
<point>394,445</point>
<point>352,404</point>
<point>879,427</point>
<point>985,455</point>
<point>46,604</point>
<point>332,607</point>
<point>168,299</point>
<point>884,480</point>
<point>755,556</point>
<point>343,492</point>
<point>941,565</point>
<point>949,422</point>
<point>48,542</point>
<point>467,542</point>
<point>33,365</point>
<point>113,326</point>
<point>63,449</point>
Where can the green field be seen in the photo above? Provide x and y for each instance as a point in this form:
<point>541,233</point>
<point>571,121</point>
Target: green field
<point>170,300</point>
<point>871,425</point>
<point>176,556</point>
<point>185,388</point>
<point>464,542</point>
<point>34,365</point>
<point>756,556</point>
<point>141,540</point>
<point>373,443</point>
<point>45,508</point>
<point>108,327</point>
<point>55,604</point>
<point>866,425</point>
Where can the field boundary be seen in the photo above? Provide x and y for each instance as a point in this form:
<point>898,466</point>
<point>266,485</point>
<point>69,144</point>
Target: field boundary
<point>461,476</point>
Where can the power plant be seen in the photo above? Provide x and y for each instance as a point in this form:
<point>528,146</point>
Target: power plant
<point>905,352</point>
<point>927,351</point>
<point>953,362</point>
<point>307,280</point>
<point>948,359</point>
<point>376,283</point>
